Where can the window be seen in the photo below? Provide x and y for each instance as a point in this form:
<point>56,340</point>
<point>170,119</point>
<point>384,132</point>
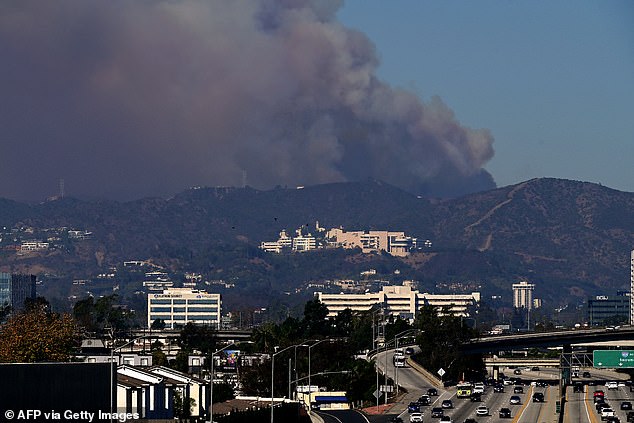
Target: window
<point>161,309</point>
<point>202,309</point>
<point>214,302</point>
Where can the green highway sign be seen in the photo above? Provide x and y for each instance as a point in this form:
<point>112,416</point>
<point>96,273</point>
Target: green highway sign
<point>613,359</point>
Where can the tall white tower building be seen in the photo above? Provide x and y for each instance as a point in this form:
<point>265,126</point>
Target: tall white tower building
<point>632,288</point>
<point>523,295</point>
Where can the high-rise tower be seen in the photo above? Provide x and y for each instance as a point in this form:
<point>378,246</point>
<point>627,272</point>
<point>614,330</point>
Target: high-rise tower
<point>523,295</point>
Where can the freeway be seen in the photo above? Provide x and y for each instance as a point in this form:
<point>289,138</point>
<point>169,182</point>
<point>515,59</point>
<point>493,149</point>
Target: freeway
<point>342,416</point>
<point>487,344</point>
<point>579,406</point>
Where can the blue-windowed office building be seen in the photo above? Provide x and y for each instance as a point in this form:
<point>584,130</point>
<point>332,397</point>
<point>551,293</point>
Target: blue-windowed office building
<point>179,306</point>
<point>15,289</point>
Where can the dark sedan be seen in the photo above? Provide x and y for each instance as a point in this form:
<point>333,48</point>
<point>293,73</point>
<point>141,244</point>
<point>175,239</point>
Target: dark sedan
<point>505,413</point>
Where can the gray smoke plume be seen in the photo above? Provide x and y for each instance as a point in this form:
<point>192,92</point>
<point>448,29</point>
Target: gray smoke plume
<point>125,99</point>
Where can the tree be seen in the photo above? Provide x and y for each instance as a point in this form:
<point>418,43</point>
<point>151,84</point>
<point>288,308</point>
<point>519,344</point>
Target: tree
<point>183,405</point>
<point>314,322</point>
<point>95,316</point>
<point>198,337</point>
<point>36,335</point>
<point>440,341</point>
<point>158,324</point>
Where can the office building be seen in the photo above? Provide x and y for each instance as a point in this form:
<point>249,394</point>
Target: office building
<point>15,289</point>
<point>523,295</point>
<point>603,307</point>
<point>179,306</point>
<point>399,301</point>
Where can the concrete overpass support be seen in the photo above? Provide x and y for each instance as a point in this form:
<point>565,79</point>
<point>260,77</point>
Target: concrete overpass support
<point>564,378</point>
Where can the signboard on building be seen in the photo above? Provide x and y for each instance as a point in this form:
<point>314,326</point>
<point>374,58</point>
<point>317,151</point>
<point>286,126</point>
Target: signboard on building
<point>613,359</point>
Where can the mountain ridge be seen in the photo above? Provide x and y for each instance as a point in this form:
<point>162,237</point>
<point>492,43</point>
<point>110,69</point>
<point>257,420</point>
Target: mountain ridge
<point>571,238</point>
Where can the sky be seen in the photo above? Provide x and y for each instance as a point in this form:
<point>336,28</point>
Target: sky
<point>127,99</point>
<point>552,80</point>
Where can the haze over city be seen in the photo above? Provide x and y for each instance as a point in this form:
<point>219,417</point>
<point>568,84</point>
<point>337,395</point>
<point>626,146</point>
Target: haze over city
<point>124,100</point>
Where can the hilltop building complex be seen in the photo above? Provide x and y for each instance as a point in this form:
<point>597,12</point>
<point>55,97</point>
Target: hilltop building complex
<point>395,243</point>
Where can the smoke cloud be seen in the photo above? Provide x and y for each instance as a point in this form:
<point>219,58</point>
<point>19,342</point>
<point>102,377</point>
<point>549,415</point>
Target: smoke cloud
<point>125,99</point>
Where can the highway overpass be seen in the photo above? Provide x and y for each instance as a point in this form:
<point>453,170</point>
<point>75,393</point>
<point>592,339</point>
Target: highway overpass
<point>564,339</point>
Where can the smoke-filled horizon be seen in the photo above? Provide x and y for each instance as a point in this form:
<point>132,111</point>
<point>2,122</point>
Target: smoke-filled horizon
<point>126,99</point>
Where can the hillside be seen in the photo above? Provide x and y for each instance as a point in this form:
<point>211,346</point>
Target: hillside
<point>570,238</point>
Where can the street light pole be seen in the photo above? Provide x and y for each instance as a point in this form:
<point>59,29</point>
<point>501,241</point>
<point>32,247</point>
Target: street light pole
<point>310,386</point>
<point>273,373</point>
<point>211,377</point>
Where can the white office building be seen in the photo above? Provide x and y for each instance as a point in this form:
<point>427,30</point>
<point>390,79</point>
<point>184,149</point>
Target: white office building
<point>398,301</point>
<point>179,306</point>
<point>523,295</point>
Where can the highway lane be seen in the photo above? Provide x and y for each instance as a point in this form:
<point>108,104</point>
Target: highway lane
<point>342,416</point>
<point>578,408</point>
<point>408,378</point>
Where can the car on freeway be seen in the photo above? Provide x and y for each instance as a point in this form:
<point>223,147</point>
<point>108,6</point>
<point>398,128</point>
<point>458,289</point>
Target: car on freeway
<point>607,412</point>
<point>626,405</point>
<point>482,410</point>
<point>518,390</point>
<point>611,385</point>
<point>413,407</point>
<point>446,419</point>
<point>515,400</point>
<point>498,388</point>
<point>424,400</point>
<point>470,420</point>
<point>437,412</point>
<point>416,417</point>
<point>475,397</point>
<point>630,416</point>
<point>432,392</point>
<point>517,372</point>
<point>601,405</point>
<point>538,397</point>
<point>396,419</point>
<point>409,350</point>
<point>446,403</point>
<point>478,388</point>
<point>505,413</point>
<point>586,374</point>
